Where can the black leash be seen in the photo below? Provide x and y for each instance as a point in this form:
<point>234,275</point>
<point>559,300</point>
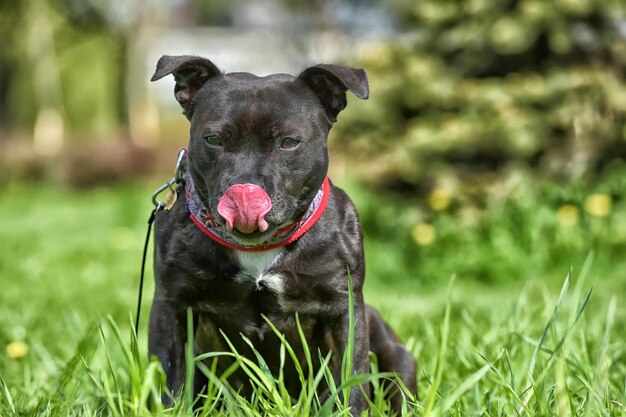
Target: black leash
<point>178,180</point>
<point>143,264</point>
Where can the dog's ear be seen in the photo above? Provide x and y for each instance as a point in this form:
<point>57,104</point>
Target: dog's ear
<point>190,73</point>
<point>330,83</point>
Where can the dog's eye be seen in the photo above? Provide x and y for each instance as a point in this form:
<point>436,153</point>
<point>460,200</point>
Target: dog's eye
<point>213,140</point>
<point>289,143</point>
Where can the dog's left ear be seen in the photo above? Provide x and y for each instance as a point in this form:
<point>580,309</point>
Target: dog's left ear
<point>190,73</point>
<point>330,83</point>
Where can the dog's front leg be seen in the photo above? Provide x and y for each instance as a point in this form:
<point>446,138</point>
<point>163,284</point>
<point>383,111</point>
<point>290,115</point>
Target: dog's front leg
<point>166,340</point>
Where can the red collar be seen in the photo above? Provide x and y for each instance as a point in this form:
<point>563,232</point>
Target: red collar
<point>287,234</point>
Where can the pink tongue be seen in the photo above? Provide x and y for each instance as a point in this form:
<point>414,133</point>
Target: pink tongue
<point>244,207</point>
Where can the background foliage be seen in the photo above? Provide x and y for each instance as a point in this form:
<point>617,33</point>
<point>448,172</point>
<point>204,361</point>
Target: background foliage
<point>480,86</point>
<point>500,118</point>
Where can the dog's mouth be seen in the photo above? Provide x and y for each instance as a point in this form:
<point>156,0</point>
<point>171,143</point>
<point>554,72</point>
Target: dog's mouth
<point>244,213</point>
<point>247,218</point>
<point>243,208</point>
<point>256,237</point>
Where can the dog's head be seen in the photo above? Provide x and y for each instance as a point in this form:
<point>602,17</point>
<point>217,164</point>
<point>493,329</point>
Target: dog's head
<point>258,145</point>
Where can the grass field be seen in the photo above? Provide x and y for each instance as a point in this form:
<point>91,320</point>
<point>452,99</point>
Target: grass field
<point>509,335</point>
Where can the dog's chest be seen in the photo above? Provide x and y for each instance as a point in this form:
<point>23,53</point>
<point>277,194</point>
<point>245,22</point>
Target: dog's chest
<point>256,269</point>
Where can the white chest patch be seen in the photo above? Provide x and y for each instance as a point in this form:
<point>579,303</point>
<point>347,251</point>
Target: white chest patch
<point>254,266</point>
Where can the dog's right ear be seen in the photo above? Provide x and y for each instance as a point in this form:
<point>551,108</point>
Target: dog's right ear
<point>190,73</point>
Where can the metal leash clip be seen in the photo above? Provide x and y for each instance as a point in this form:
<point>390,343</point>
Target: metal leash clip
<point>179,173</point>
<point>170,199</point>
<point>178,179</point>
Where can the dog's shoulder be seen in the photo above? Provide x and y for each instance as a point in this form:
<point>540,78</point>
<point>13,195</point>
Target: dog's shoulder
<point>343,214</point>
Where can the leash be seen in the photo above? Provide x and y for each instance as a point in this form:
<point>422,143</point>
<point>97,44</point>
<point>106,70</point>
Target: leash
<point>170,199</point>
<point>143,264</point>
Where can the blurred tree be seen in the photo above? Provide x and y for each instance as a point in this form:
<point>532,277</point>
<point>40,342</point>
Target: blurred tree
<point>9,12</point>
<point>80,63</point>
<point>57,66</point>
<point>482,84</point>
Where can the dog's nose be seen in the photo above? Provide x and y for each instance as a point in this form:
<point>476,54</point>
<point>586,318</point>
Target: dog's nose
<point>244,207</point>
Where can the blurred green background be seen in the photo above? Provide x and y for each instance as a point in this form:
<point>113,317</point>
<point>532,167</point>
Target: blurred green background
<point>492,146</point>
<point>494,126</point>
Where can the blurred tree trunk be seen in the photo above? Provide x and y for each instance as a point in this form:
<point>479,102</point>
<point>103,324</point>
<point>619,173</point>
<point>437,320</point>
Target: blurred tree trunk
<point>6,75</point>
<point>142,113</point>
<point>121,38</point>
<point>49,128</point>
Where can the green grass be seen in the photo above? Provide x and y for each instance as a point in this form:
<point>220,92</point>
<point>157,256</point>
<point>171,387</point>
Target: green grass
<point>510,335</point>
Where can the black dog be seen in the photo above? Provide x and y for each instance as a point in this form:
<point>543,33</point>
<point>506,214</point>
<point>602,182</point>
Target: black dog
<point>261,231</point>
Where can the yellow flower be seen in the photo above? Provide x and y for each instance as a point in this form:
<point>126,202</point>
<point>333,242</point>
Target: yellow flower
<point>17,350</point>
<point>598,205</point>
<point>424,234</point>
<point>439,199</point>
<point>568,215</point>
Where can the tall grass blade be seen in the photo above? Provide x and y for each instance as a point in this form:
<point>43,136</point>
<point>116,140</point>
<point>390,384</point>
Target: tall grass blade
<point>579,312</point>
<point>112,372</point>
<point>466,385</point>
<point>289,348</point>
<point>7,395</point>
<point>431,395</point>
<point>190,364</point>
<point>555,313</point>
<point>348,355</point>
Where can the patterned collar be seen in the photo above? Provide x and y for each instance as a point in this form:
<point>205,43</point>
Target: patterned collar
<point>285,235</point>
